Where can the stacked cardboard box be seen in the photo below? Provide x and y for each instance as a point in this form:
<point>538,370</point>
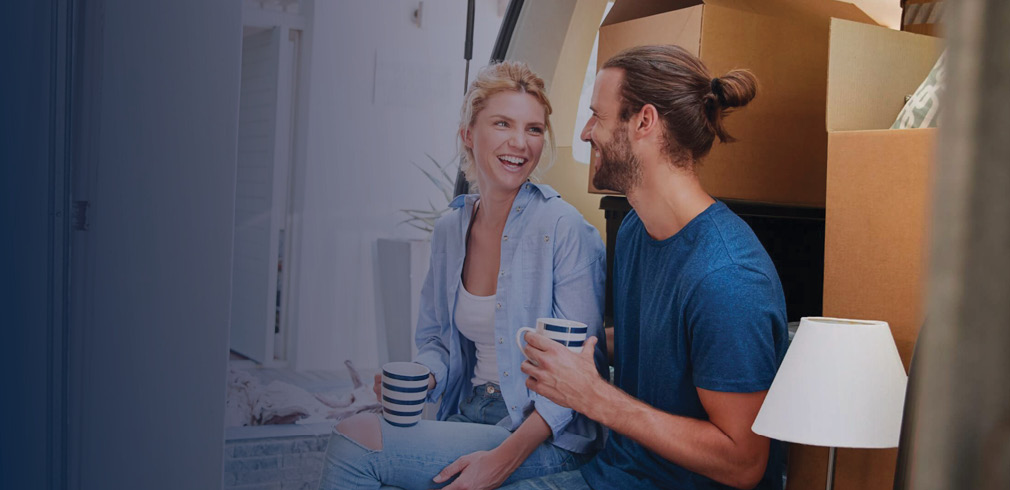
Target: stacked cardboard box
<point>831,83</point>
<point>876,214</point>
<point>781,153</point>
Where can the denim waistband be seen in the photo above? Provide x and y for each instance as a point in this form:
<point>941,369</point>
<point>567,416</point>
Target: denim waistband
<point>488,390</point>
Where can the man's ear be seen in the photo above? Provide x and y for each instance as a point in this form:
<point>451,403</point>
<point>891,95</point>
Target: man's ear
<point>646,121</point>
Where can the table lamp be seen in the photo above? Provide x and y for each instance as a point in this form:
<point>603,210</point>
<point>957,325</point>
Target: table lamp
<point>841,384</point>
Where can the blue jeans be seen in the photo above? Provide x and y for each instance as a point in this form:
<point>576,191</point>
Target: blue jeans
<point>485,405</point>
<point>567,480</point>
<point>411,456</point>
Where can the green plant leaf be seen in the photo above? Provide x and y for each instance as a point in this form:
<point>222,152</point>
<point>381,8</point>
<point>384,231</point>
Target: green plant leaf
<point>424,219</point>
<point>423,228</point>
<point>449,180</point>
<point>428,174</point>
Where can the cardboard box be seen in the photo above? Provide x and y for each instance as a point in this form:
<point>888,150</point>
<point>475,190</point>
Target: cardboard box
<point>782,143</point>
<point>877,213</point>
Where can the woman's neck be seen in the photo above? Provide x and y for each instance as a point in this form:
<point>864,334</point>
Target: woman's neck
<point>494,208</point>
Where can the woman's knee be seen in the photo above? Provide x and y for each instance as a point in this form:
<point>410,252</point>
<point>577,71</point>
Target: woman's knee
<point>364,429</point>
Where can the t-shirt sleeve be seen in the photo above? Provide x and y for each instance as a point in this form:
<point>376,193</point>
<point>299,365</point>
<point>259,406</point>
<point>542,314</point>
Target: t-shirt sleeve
<point>732,317</point>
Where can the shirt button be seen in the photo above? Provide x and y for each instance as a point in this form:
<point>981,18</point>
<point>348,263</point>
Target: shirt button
<point>505,238</point>
<point>547,238</point>
<point>498,306</point>
<point>519,208</point>
<point>501,340</point>
<point>502,273</point>
<point>506,374</point>
<point>513,408</point>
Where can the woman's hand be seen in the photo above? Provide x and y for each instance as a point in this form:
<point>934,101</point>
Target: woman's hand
<point>489,469</point>
<point>478,471</point>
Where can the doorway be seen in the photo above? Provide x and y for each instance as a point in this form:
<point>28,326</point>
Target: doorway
<point>263,235</point>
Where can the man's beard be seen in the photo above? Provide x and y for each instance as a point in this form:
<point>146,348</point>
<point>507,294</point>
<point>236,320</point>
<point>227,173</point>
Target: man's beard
<point>619,170</point>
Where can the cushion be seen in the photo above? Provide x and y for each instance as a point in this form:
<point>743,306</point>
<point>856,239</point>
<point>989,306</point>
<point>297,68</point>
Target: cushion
<point>923,107</point>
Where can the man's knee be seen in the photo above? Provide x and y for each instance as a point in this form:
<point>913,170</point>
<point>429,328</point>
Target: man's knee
<point>364,429</point>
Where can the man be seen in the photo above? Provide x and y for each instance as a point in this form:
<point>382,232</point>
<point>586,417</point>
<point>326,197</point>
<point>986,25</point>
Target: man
<point>699,309</point>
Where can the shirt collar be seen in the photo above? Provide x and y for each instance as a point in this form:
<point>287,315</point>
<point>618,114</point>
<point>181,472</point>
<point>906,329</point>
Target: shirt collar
<point>545,190</point>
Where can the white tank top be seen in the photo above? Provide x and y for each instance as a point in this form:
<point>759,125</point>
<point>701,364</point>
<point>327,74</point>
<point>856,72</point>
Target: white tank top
<point>475,320</point>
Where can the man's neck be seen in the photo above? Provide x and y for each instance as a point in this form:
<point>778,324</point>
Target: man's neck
<point>668,198</point>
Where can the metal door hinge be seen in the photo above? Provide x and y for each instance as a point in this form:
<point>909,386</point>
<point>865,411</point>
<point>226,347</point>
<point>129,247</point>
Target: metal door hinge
<point>81,215</point>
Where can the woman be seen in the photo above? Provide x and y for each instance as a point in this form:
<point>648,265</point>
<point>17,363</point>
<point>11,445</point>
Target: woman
<point>500,259</point>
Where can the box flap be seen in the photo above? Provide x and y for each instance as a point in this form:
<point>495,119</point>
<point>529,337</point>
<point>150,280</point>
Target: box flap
<point>824,8</point>
<point>625,10</point>
<point>789,8</point>
<point>870,71</point>
<point>681,27</point>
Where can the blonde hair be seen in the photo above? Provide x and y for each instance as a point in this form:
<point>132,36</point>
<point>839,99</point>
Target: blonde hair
<point>514,76</point>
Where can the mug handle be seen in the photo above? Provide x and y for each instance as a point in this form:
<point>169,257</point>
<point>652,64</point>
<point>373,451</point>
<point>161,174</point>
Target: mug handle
<point>519,336</point>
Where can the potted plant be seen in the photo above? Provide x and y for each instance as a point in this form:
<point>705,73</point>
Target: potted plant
<point>424,219</point>
<point>402,266</point>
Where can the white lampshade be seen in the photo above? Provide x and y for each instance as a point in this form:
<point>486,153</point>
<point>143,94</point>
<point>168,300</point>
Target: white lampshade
<point>841,384</point>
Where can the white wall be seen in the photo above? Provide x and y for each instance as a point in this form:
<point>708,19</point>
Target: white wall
<point>383,92</point>
<point>885,12</point>
<point>152,274</point>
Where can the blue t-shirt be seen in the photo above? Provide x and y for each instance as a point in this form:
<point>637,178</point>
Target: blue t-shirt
<point>701,309</point>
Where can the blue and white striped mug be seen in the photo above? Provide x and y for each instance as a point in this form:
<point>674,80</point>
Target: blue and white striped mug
<point>404,387</point>
<point>570,333</point>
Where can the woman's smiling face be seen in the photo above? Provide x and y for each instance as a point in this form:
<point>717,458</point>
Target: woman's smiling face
<point>507,138</point>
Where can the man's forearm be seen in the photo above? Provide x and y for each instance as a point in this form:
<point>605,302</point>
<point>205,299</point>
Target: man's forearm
<point>697,445</point>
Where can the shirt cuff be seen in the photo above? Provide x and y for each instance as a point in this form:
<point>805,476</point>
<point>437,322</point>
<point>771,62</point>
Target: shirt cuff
<point>556,416</point>
<point>433,362</point>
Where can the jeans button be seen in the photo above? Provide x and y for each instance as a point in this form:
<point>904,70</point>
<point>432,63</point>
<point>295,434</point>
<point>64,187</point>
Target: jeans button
<point>490,389</point>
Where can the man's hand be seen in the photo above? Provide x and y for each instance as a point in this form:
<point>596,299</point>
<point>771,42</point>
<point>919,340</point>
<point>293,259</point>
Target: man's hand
<point>478,471</point>
<point>566,378</point>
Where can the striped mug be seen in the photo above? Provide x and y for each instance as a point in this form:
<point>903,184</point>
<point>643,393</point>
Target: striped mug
<point>404,387</point>
<point>569,333</point>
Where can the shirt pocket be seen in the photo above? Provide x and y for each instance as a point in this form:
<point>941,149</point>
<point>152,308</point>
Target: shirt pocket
<point>535,281</point>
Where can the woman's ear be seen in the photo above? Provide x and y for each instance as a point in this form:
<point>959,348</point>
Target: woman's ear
<point>464,134</point>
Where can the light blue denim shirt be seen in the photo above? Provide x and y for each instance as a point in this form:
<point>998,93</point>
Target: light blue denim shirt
<point>553,264</point>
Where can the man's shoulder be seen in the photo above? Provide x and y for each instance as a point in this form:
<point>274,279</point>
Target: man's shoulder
<point>736,244</point>
<point>726,254</point>
<point>629,226</point>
